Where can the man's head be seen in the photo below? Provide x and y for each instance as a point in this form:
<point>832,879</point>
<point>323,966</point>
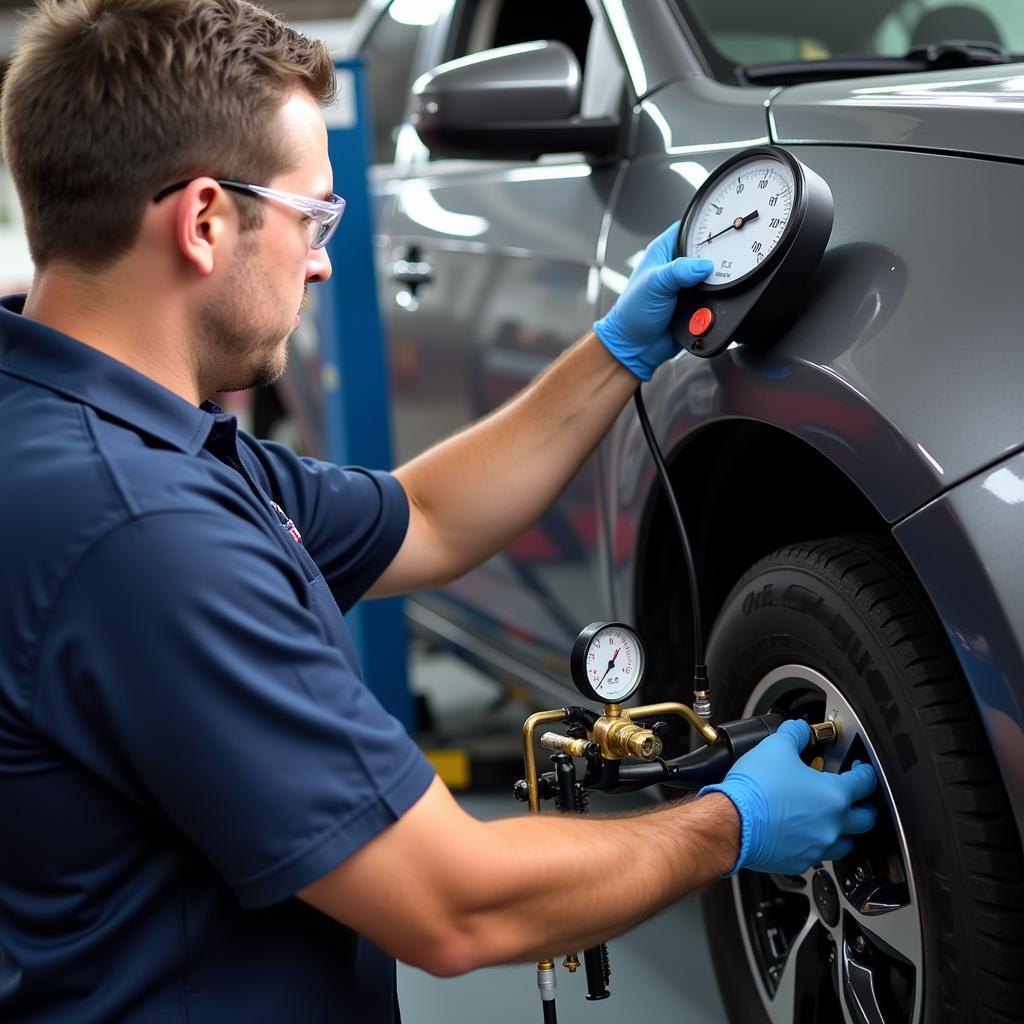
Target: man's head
<point>107,102</point>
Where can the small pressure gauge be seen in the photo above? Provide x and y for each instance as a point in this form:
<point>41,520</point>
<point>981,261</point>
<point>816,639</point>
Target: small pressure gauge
<point>607,662</point>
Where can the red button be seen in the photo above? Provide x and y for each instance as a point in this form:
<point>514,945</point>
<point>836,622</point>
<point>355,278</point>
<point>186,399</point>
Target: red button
<point>701,322</point>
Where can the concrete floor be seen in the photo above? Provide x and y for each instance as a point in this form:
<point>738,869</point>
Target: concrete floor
<point>659,971</point>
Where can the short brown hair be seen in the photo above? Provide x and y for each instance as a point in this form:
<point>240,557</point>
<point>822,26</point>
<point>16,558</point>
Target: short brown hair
<point>105,101</point>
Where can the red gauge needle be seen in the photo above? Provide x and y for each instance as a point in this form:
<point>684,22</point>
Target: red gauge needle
<point>611,665</point>
<point>734,226</point>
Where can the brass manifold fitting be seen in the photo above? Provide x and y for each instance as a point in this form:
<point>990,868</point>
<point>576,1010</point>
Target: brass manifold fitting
<point>619,737</point>
<point>615,733</point>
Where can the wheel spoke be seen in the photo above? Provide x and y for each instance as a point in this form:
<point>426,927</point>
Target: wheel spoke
<point>896,932</point>
<point>858,991</point>
<point>795,979</point>
<point>874,898</point>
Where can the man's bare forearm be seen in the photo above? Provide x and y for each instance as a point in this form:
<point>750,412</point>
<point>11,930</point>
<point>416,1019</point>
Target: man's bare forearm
<point>585,880</point>
<point>445,892</point>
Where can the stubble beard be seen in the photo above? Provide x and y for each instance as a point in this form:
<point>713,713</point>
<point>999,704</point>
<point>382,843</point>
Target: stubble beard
<point>238,345</point>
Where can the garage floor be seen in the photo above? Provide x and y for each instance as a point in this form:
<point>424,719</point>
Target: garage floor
<point>660,971</point>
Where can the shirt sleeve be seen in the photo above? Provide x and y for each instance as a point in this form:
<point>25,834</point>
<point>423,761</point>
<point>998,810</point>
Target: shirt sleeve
<point>184,666</point>
<point>352,520</point>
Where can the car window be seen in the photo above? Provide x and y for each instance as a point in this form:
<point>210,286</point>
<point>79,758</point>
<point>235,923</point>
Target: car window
<point>390,54</point>
<point>746,32</point>
<point>932,21</point>
<point>487,24</point>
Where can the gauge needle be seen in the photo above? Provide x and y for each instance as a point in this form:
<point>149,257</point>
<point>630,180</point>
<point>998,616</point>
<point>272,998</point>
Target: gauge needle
<point>734,226</point>
<point>611,664</point>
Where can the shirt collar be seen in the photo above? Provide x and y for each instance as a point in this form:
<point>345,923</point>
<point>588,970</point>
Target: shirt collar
<point>35,352</point>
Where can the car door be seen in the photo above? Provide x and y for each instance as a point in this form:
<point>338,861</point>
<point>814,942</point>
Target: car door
<point>488,272</point>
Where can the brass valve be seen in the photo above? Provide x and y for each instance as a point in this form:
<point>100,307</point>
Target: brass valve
<point>825,732</point>
<point>619,737</point>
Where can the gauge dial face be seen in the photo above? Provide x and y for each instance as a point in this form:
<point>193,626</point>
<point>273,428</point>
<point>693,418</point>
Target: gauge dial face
<point>741,218</point>
<point>614,663</point>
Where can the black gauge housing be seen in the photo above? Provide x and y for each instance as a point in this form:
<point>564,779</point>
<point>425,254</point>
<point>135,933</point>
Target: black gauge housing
<point>747,310</point>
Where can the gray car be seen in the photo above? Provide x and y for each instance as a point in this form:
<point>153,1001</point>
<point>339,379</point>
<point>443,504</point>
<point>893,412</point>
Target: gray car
<point>853,482</point>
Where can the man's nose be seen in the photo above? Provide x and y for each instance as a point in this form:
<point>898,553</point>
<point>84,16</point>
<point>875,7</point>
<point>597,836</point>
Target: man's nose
<point>318,267</point>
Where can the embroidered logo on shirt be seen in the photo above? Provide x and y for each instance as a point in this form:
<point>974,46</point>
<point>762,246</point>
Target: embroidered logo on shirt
<point>285,520</point>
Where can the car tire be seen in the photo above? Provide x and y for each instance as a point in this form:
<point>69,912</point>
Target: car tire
<point>842,626</point>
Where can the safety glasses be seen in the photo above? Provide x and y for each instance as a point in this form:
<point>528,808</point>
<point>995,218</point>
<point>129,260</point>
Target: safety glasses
<point>324,214</point>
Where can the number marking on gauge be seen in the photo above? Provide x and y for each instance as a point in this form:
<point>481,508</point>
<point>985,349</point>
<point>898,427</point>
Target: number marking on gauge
<point>612,664</point>
<point>755,205</point>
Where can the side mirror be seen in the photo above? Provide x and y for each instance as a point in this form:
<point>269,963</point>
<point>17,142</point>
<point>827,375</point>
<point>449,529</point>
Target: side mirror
<point>516,102</point>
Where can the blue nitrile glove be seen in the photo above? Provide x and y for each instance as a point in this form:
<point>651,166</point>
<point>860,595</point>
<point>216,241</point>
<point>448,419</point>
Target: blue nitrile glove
<point>793,816</point>
<point>635,329</point>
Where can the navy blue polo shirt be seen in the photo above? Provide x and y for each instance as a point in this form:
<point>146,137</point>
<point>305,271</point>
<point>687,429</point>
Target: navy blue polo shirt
<point>185,740</point>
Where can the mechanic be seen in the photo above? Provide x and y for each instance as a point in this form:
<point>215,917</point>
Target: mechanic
<point>207,817</point>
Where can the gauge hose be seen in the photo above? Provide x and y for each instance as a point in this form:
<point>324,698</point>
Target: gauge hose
<point>700,671</point>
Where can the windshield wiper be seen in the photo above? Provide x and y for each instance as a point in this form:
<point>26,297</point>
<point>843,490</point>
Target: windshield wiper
<point>954,53</point>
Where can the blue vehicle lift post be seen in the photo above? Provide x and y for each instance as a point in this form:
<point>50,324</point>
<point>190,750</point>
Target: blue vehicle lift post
<point>355,372</point>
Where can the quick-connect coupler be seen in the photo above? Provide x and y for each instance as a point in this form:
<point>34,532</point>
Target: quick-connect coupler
<point>546,981</point>
<point>547,984</point>
<point>568,745</point>
<point>701,693</point>
<point>702,705</point>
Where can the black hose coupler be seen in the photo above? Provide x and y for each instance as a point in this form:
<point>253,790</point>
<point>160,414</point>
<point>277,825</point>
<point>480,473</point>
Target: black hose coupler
<point>745,733</point>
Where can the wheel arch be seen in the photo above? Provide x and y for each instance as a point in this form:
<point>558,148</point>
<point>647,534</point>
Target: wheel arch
<point>728,471</point>
<point>726,475</point>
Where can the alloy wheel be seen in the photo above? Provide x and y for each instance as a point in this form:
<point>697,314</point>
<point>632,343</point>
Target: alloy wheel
<point>846,934</point>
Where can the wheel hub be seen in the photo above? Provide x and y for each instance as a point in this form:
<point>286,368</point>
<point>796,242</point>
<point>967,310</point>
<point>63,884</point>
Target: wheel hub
<point>826,898</point>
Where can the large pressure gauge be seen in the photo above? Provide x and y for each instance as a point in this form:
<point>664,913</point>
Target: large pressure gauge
<point>763,219</point>
<point>739,222</point>
<point>607,662</point>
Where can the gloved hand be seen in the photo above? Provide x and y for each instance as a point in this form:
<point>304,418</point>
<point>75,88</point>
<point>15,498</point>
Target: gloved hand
<point>635,329</point>
<point>793,816</point>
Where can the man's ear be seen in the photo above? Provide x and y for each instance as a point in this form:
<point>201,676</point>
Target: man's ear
<point>205,220</point>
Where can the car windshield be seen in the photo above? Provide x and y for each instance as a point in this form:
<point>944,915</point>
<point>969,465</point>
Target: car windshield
<point>742,33</point>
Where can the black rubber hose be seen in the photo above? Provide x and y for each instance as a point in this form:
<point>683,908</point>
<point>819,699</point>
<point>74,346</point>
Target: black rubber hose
<point>550,1016</point>
<point>700,670</point>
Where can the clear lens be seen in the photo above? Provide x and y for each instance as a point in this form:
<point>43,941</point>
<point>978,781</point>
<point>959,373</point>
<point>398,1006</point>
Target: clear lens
<point>316,232</point>
<point>325,229</point>
<point>324,233</point>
